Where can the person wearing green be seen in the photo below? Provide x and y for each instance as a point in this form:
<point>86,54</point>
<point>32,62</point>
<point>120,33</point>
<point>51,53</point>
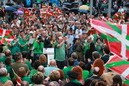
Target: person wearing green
<point>59,52</point>
<point>14,46</point>
<point>69,68</point>
<point>36,64</point>
<point>26,78</point>
<point>86,46</point>
<point>23,74</point>
<point>7,55</point>
<point>2,59</point>
<point>99,46</point>
<point>23,43</point>
<point>4,79</point>
<point>39,1</point>
<point>3,75</point>
<point>38,46</point>
<point>8,62</point>
<point>72,77</point>
<point>85,74</point>
<point>26,60</point>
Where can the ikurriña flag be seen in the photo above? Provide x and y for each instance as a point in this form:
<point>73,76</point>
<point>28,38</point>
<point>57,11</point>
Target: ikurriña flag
<point>6,36</point>
<point>117,36</point>
<point>117,64</point>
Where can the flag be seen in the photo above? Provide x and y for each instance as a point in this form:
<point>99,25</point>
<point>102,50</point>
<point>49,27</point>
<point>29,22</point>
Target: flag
<point>117,36</point>
<point>126,82</point>
<point>117,64</point>
<point>27,12</point>
<point>6,36</point>
<point>57,10</point>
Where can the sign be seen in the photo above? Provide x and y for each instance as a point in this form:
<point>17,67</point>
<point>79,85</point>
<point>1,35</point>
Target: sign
<point>50,53</point>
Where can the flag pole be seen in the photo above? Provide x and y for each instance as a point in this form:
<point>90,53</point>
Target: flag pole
<point>91,7</point>
<point>109,8</point>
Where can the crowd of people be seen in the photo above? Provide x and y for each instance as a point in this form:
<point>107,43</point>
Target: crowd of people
<point>79,52</point>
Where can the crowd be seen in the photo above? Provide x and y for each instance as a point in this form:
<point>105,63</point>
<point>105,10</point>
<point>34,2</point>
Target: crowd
<point>79,52</point>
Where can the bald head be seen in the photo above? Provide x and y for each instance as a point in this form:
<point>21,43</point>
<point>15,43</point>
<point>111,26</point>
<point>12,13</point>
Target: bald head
<point>52,63</point>
<point>74,55</point>
<point>41,69</point>
<point>7,52</point>
<point>24,83</point>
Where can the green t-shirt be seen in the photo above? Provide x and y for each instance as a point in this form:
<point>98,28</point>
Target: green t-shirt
<point>26,78</point>
<point>4,79</point>
<point>38,47</point>
<point>66,70</point>
<point>77,82</point>
<point>23,42</point>
<point>59,52</point>
<point>28,64</point>
<point>85,74</point>
<point>14,48</point>
<point>99,49</point>
<point>2,59</point>
<point>86,47</point>
<point>33,72</point>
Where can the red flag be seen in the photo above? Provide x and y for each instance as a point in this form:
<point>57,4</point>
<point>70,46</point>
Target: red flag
<point>118,65</point>
<point>6,36</point>
<point>116,35</point>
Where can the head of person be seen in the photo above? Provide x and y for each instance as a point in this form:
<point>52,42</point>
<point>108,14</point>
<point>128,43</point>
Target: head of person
<point>18,56</point>
<point>88,67</point>
<point>54,76</point>
<point>92,46</point>
<point>85,35</point>
<point>41,69</point>
<point>21,72</point>
<point>100,83</point>
<point>39,39</point>
<point>61,74</point>
<point>58,34</point>
<point>60,39</point>
<point>3,72</point>
<point>54,83</point>
<point>7,52</point>
<point>78,70</point>
<point>24,54</point>
<point>99,40</point>
<point>117,81</point>
<point>95,55</point>
<point>36,64</point>
<point>8,61</point>
<point>82,65</point>
<point>89,39</point>
<point>74,55</point>
<point>70,61</point>
<point>42,59</point>
<point>38,78</point>
<point>72,75</point>
<point>106,50</point>
<point>44,33</point>
<point>53,63</point>
<point>24,83</point>
<point>96,70</point>
<point>2,65</point>
<point>93,82</point>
